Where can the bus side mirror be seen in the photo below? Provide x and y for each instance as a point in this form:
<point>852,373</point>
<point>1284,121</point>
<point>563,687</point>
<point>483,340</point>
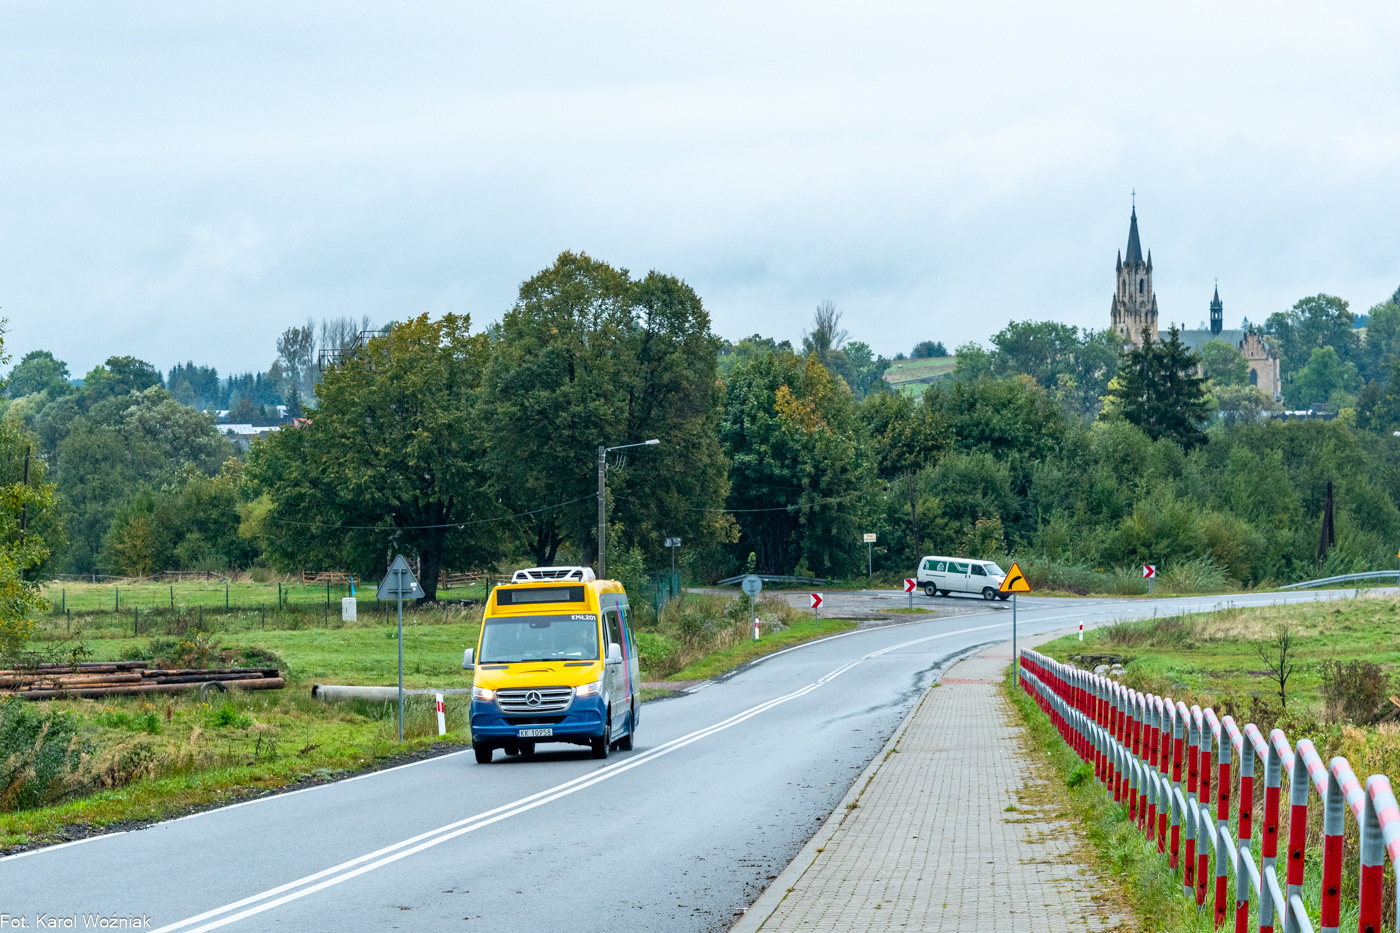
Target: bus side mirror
<point>468,662</point>
<point>614,652</point>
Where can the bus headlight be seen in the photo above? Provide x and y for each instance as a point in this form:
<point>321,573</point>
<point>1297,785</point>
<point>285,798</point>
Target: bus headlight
<point>589,690</point>
<point>481,693</point>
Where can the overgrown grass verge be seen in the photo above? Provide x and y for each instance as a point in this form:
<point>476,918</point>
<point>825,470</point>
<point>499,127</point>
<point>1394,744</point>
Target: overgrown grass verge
<point>726,659</point>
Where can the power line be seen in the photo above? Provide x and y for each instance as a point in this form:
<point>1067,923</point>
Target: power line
<point>480,521</point>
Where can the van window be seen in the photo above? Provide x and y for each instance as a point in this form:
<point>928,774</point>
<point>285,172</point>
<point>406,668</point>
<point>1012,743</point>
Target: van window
<point>978,570</point>
<point>940,566</point>
<point>928,565</point>
<point>957,566</point>
<point>614,636</point>
<point>540,638</point>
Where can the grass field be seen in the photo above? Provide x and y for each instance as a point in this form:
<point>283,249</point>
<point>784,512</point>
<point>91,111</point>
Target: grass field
<point>913,376</point>
<point>1214,658</point>
<point>212,594</point>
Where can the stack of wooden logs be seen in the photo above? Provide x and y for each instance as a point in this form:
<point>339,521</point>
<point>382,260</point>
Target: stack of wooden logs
<point>120,678</point>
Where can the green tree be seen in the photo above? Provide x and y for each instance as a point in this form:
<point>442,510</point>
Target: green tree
<point>867,369</point>
<point>589,356</point>
<point>928,349</point>
<point>1382,339</point>
<point>1158,390</point>
<point>1312,323</point>
<point>908,436</point>
<point>120,375</point>
<point>1223,364</point>
<point>38,371</point>
<point>1324,379</point>
<point>390,462</point>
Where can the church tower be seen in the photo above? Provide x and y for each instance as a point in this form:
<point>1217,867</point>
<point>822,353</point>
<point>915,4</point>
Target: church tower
<point>1217,313</point>
<point>1134,309</point>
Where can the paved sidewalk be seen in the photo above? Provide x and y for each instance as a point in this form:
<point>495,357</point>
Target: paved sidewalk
<point>924,840</point>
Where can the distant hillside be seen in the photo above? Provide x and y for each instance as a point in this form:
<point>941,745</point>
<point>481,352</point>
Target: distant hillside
<point>911,375</point>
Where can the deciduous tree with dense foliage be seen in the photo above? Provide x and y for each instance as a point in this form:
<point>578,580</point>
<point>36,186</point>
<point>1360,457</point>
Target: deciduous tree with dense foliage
<point>390,462</point>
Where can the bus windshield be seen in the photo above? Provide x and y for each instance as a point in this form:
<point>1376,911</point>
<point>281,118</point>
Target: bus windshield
<point>572,637</point>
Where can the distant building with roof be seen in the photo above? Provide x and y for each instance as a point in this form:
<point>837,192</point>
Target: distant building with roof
<point>1262,358</point>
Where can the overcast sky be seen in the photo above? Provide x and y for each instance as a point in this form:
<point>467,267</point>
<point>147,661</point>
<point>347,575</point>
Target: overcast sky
<point>183,181</point>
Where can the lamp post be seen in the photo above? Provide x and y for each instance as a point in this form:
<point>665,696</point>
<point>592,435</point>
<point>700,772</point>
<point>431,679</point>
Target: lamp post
<point>603,501</point>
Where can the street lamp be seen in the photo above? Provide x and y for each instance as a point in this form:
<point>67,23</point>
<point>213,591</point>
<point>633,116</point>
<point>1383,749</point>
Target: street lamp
<point>603,501</point>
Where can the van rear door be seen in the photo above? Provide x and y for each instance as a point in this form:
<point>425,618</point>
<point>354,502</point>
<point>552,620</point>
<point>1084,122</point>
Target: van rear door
<point>958,576</point>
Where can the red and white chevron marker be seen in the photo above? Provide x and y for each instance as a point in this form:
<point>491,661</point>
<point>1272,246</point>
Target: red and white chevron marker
<point>910,585</point>
<point>1149,571</point>
<point>442,715</point>
<point>817,600</point>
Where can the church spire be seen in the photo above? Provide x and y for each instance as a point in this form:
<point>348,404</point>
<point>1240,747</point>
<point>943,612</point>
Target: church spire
<point>1134,245</point>
<point>1217,313</point>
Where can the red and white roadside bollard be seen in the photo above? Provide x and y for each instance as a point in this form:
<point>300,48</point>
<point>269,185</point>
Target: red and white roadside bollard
<point>1081,631</point>
<point>442,714</point>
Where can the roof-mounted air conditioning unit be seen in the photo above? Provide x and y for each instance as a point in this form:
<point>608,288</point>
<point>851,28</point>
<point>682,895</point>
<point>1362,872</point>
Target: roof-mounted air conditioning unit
<point>541,574</point>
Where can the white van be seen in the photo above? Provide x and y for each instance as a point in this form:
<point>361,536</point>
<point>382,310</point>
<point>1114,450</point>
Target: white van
<point>940,576</point>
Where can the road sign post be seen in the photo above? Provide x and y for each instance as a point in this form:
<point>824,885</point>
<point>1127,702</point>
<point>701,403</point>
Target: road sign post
<point>1015,582</point>
<point>817,600</point>
<point>1149,573</point>
<point>869,550</point>
<point>673,543</point>
<point>909,587</point>
<point>398,583</point>
<point>753,585</point>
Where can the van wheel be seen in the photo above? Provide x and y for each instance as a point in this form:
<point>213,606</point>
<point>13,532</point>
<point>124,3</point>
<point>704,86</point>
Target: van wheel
<point>944,593</point>
<point>483,754</point>
<point>624,744</point>
<point>930,591</point>
<point>1003,596</point>
<point>988,593</point>
<point>603,745</point>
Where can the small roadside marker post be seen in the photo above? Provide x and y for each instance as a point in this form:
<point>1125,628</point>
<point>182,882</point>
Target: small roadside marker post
<point>1081,631</point>
<point>442,715</point>
<point>753,585</point>
<point>1015,582</point>
<point>1149,572</point>
<point>909,587</point>
<point>816,606</point>
<point>869,540</point>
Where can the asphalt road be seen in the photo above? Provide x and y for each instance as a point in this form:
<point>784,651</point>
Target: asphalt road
<point>725,786</point>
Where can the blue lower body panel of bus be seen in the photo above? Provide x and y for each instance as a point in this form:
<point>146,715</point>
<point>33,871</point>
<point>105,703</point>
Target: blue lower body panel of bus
<point>580,723</point>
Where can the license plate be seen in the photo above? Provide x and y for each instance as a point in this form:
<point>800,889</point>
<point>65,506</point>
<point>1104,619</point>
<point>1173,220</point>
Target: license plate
<point>535,733</point>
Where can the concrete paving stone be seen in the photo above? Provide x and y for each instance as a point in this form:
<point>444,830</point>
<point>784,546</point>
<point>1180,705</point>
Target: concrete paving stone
<point>929,844</point>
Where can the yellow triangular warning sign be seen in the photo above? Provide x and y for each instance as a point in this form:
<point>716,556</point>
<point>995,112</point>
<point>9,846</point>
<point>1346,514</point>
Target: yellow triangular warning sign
<point>1015,581</point>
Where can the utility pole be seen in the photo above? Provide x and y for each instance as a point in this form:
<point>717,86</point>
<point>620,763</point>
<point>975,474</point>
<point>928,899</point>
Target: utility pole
<point>602,512</point>
<point>603,501</point>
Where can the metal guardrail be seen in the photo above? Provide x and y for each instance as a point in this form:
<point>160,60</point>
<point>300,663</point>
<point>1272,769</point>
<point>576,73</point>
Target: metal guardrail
<point>1140,744</point>
<point>772,578</point>
<point>1343,579</point>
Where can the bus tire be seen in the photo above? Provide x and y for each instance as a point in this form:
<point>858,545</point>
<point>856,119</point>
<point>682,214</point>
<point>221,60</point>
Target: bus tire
<point>603,744</point>
<point>624,744</point>
<point>483,754</point>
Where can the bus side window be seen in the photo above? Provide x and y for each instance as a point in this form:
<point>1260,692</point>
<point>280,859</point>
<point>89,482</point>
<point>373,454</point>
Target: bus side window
<point>626,633</point>
<point>614,638</point>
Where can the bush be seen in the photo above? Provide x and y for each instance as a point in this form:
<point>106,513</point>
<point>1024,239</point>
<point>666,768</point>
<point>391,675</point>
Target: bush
<point>654,648</point>
<point>1353,691</point>
<point>1201,575</point>
<point>40,754</point>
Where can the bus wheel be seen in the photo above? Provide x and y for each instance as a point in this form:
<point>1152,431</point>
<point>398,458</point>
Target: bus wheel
<point>603,744</point>
<point>624,744</point>
<point>483,754</point>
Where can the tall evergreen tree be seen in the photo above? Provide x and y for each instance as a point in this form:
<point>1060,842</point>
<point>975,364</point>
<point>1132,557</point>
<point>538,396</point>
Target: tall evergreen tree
<point>1158,390</point>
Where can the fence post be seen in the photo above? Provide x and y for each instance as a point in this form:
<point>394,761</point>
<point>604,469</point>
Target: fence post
<point>1178,758</point>
<point>1298,784</point>
<point>1273,780</point>
<point>1193,748</point>
<point>1333,815</point>
<point>1378,797</point>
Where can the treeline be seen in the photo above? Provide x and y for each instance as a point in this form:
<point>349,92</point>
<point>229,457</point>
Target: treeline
<point>470,448</point>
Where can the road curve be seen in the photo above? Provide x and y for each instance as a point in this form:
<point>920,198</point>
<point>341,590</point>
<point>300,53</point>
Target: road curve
<point>681,834</point>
